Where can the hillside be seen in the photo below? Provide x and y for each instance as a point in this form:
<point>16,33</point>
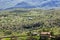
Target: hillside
<point>24,20</point>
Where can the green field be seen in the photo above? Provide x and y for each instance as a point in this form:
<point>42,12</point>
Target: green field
<point>21,21</point>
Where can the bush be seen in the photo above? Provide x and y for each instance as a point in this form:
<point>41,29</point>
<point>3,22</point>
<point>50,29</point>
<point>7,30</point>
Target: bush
<point>7,32</point>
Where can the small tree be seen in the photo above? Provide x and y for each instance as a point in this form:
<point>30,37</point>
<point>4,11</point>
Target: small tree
<point>7,32</point>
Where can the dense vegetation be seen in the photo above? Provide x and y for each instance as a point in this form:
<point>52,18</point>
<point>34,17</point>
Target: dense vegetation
<point>20,21</point>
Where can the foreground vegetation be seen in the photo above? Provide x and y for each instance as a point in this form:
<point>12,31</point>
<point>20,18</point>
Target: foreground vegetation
<point>22,21</point>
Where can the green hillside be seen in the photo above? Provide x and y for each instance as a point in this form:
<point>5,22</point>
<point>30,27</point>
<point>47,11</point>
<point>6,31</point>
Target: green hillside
<point>23,20</point>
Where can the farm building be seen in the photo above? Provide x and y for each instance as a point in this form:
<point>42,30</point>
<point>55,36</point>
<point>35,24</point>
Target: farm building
<point>45,35</point>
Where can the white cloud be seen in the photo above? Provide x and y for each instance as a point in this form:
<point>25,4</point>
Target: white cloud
<point>8,3</point>
<point>32,2</point>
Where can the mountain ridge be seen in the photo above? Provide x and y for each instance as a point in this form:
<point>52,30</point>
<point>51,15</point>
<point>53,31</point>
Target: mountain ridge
<point>44,4</point>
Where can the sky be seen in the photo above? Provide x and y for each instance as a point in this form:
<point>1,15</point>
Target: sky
<point>8,3</point>
<point>11,3</point>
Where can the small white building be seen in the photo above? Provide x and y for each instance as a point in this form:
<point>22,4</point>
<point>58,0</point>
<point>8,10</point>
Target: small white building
<point>30,18</point>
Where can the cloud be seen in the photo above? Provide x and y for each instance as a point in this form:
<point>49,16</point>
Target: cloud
<point>38,2</point>
<point>8,3</point>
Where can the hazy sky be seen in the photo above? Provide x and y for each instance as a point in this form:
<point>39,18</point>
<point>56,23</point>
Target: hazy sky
<point>8,3</point>
<point>11,3</point>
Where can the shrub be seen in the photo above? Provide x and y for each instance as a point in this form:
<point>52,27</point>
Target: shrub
<point>7,32</point>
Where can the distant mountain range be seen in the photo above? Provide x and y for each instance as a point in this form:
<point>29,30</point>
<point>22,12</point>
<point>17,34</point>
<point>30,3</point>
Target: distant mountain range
<point>24,5</point>
<point>51,4</point>
<point>39,4</point>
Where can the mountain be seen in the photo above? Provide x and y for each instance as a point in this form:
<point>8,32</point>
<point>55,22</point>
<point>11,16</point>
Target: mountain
<point>24,5</point>
<point>37,4</point>
<point>49,4</point>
